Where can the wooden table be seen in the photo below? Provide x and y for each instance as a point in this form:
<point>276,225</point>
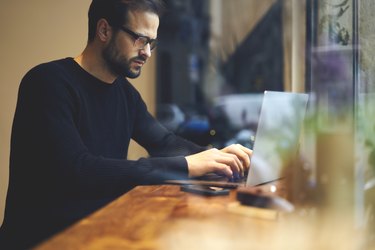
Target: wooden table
<point>163,217</point>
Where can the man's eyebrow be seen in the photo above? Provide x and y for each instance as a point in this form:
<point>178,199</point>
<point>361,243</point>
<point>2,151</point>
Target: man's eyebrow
<point>143,35</point>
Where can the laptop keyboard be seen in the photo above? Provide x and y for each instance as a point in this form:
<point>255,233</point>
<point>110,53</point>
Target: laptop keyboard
<point>217,177</point>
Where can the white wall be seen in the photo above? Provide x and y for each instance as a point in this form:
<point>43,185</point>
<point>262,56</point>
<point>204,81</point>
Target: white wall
<point>35,31</point>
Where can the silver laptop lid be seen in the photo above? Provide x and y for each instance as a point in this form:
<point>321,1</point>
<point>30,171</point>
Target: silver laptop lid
<point>277,136</point>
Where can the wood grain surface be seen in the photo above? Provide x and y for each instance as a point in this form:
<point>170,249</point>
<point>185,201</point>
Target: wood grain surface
<point>163,217</point>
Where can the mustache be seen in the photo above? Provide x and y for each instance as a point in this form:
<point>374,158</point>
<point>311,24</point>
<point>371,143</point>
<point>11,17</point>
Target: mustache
<point>139,58</point>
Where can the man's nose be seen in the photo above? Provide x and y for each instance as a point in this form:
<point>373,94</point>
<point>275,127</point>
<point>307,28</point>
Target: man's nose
<point>146,50</point>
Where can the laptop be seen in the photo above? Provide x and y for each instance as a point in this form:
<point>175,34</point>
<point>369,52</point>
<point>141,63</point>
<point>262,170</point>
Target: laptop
<point>276,141</point>
<point>277,137</point>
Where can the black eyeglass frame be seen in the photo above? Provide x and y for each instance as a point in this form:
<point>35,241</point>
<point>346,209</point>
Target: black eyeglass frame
<point>147,40</point>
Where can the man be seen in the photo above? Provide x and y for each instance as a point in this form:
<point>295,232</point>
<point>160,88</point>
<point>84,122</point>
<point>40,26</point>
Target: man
<point>73,123</point>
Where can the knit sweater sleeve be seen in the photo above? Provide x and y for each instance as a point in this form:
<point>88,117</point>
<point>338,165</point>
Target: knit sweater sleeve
<point>162,145</point>
<point>45,136</point>
<point>155,138</point>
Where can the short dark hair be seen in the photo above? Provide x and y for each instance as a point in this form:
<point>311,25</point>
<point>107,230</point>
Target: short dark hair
<point>116,11</point>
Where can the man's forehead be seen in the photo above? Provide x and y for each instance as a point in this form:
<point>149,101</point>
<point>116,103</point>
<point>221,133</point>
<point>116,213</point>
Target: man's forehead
<point>144,22</point>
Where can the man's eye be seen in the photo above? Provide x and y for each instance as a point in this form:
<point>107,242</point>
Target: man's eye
<point>143,40</point>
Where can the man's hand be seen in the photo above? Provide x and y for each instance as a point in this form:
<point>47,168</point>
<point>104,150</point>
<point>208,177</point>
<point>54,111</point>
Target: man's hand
<point>231,161</point>
<point>242,153</point>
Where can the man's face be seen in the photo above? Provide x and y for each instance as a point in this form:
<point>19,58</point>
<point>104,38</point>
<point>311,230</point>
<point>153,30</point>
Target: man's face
<point>122,55</point>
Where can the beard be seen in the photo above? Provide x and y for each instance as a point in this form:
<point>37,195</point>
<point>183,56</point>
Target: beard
<point>119,64</point>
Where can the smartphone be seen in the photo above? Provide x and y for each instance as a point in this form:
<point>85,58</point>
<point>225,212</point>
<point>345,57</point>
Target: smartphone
<point>205,190</point>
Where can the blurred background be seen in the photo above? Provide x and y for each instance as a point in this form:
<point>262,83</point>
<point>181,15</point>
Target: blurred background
<point>214,61</point>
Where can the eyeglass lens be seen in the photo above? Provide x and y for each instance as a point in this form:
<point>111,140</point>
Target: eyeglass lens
<point>141,42</point>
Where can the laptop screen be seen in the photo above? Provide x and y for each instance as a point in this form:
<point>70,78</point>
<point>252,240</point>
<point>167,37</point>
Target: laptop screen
<point>277,136</point>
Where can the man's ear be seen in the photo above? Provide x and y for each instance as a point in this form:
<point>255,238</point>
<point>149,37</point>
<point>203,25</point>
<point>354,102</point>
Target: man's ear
<point>103,30</point>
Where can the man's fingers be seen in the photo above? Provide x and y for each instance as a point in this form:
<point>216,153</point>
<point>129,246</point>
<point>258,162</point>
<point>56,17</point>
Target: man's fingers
<point>223,169</point>
<point>245,155</point>
<point>241,152</point>
<point>232,161</point>
<point>248,151</point>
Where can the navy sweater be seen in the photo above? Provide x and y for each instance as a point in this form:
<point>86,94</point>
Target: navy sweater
<point>69,145</point>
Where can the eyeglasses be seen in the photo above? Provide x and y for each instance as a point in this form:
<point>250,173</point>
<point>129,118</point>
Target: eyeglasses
<point>140,41</point>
